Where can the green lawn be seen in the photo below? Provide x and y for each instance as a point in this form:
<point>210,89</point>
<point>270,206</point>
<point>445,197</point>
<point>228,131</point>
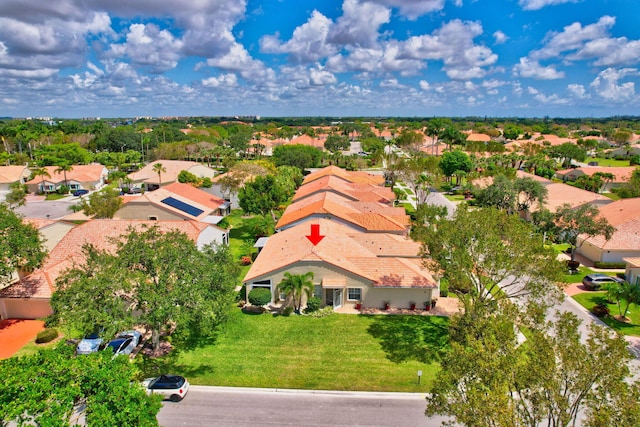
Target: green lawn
<point>607,162</point>
<point>337,352</point>
<point>589,299</point>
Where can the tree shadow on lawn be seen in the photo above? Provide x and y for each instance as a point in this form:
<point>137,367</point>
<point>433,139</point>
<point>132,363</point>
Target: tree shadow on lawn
<point>407,338</point>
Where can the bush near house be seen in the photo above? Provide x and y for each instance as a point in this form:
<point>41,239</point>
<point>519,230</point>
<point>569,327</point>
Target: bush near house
<point>46,335</point>
<point>259,296</point>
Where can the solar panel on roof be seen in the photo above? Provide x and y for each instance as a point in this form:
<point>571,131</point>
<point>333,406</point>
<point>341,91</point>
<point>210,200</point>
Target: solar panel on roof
<point>184,207</point>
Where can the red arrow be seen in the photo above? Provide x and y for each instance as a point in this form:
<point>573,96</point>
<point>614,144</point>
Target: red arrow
<point>315,236</point>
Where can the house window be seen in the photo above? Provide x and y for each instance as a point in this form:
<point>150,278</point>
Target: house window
<point>354,294</point>
<point>317,291</point>
<point>152,218</point>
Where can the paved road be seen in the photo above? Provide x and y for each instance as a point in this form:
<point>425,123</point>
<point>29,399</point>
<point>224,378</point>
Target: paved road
<point>239,407</point>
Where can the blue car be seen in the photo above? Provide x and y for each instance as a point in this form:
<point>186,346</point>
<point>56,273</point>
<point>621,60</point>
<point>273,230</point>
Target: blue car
<point>80,192</point>
<point>124,343</point>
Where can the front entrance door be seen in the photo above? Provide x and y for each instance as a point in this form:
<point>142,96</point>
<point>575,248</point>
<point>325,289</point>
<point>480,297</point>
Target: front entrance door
<point>337,298</point>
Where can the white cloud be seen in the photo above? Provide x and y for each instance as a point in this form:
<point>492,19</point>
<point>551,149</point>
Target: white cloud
<point>453,44</point>
<point>610,52</point>
<point>607,84</point>
<point>532,69</point>
<point>308,43</point>
<point>391,83</point>
<point>224,80</point>
<point>320,77</point>
<point>424,85</point>
<point>573,37</point>
<point>149,46</point>
<point>578,91</point>
<point>500,37</point>
<point>413,9</point>
<point>359,24</point>
<point>539,4</point>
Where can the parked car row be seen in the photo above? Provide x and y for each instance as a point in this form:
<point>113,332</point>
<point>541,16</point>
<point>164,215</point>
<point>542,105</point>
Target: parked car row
<point>124,343</point>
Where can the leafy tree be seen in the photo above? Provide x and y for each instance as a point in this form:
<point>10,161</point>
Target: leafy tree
<point>187,177</point>
<point>64,167</point>
<point>17,194</point>
<point>453,161</point>
<point>44,388</point>
<point>512,131</point>
<point>529,191</point>
<point>289,178</point>
<point>434,129</point>
<point>410,140</point>
<point>159,169</point>
<point>298,155</point>
<point>501,194</point>
<point>335,143</point>
<point>489,378</point>
<point>567,152</point>
<point>102,204</point>
<point>42,172</point>
<point>487,254</point>
<point>259,296</point>
<point>420,173</point>
<point>161,279</point>
<point>21,246</point>
<point>624,294</point>
<point>55,154</point>
<point>295,286</point>
<point>261,196</point>
<point>583,222</point>
<point>631,188</point>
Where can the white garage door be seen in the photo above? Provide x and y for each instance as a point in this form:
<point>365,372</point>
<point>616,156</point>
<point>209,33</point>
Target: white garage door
<point>18,308</point>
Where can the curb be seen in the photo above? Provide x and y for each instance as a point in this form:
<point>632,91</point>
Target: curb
<point>363,394</point>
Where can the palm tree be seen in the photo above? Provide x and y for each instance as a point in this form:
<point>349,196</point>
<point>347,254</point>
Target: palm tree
<point>296,285</point>
<point>64,167</point>
<point>159,169</point>
<point>41,172</point>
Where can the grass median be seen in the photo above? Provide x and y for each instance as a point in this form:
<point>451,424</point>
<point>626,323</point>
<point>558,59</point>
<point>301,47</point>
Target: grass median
<point>337,352</point>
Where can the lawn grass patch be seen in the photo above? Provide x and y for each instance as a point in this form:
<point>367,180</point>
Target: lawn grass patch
<point>607,162</point>
<point>589,299</point>
<point>55,196</point>
<point>337,352</point>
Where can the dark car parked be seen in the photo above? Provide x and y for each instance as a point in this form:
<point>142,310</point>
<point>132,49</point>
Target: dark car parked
<point>80,192</point>
<point>593,281</point>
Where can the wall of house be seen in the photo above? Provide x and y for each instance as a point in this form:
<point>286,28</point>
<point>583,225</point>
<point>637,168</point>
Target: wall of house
<point>212,235</point>
<point>144,210</point>
<point>596,254</point>
<point>24,308</point>
<point>632,274</point>
<point>371,297</point>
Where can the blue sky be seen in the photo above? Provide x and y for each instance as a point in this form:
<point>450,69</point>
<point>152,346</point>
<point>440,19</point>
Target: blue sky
<point>499,58</point>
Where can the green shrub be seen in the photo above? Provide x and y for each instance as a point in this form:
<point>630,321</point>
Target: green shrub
<point>287,311</point>
<point>323,312</point>
<point>260,296</point>
<point>313,304</point>
<point>599,264</point>
<point>46,335</point>
<point>63,189</point>
<point>444,288</point>
<point>600,310</point>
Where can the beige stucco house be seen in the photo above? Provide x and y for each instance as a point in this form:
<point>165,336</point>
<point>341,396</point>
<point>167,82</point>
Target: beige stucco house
<point>624,215</point>
<point>349,267</point>
<point>87,177</point>
<point>11,174</point>
<point>148,179</point>
<point>29,298</point>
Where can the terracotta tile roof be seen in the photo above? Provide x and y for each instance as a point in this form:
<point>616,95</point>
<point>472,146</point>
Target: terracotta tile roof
<point>99,232</point>
<point>624,215</point>
<point>372,217</point>
<point>353,191</point>
<point>478,137</point>
<point>173,168</point>
<point>79,173</point>
<point>206,203</point>
<point>633,262</point>
<point>346,250</point>
<point>10,174</point>
<point>621,174</point>
<point>557,193</point>
<point>192,193</point>
<point>349,176</point>
<point>307,140</point>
